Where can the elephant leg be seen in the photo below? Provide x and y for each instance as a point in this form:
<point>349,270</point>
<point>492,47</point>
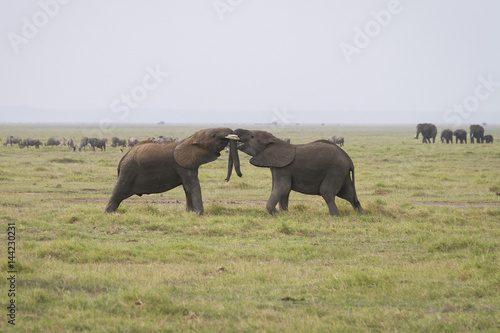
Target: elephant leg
<point>120,193</point>
<point>192,188</point>
<point>327,191</point>
<point>348,192</point>
<point>284,202</point>
<point>282,185</point>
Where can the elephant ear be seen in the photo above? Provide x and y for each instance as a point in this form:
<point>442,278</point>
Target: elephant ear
<point>276,154</point>
<point>190,154</point>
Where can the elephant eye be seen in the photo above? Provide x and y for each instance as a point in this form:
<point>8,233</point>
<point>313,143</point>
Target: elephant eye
<point>213,135</point>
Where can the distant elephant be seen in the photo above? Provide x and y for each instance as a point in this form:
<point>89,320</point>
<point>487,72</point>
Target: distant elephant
<point>429,131</point>
<point>318,168</point>
<point>488,138</point>
<point>477,132</point>
<point>98,143</point>
<point>446,135</point>
<point>12,140</point>
<point>30,142</point>
<point>339,140</point>
<point>71,144</point>
<point>132,141</point>
<point>461,135</point>
<point>83,143</point>
<point>152,167</point>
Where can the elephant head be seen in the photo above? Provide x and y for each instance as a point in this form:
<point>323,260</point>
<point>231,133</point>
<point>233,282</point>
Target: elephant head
<point>204,146</point>
<point>266,149</point>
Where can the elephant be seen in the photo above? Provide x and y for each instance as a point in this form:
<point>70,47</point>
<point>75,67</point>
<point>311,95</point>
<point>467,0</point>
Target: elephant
<point>98,143</point>
<point>429,131</point>
<point>447,135</point>
<point>30,142</point>
<point>477,132</point>
<point>153,167</point>
<point>317,168</point>
<point>132,141</point>
<point>83,143</point>
<point>339,140</point>
<point>488,138</point>
<point>12,139</point>
<point>461,135</point>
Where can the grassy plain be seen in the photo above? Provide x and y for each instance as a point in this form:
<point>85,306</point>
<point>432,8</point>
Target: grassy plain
<point>424,257</point>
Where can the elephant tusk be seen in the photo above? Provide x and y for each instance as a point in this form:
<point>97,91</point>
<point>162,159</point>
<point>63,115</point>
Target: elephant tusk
<point>232,137</point>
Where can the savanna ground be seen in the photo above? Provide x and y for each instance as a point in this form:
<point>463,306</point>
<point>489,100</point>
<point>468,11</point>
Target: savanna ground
<point>424,257</point>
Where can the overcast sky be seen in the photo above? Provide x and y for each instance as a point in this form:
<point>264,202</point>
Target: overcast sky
<point>223,61</point>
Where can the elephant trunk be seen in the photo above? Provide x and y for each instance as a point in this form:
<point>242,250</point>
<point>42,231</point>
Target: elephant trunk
<point>233,159</point>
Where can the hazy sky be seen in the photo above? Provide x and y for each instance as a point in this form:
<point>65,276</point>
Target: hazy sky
<point>220,61</point>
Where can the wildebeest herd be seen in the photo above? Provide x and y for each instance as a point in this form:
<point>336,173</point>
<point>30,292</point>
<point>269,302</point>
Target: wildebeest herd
<point>162,163</point>
<point>429,131</point>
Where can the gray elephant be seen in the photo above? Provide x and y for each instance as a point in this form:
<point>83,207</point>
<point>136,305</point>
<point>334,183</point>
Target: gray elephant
<point>429,131</point>
<point>152,167</point>
<point>318,168</point>
<point>461,135</point>
<point>476,132</point>
<point>12,140</point>
<point>447,135</point>
<point>488,138</point>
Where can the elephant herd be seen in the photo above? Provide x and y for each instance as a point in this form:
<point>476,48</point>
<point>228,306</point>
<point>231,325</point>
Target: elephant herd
<point>317,168</point>
<point>429,131</point>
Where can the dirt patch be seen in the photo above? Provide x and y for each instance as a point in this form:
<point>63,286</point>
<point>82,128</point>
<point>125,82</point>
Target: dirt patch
<point>458,204</point>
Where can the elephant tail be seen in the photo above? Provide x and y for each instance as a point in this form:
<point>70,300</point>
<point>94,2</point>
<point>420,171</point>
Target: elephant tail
<point>356,204</point>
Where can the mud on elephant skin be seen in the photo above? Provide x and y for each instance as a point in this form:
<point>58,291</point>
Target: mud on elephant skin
<point>317,168</point>
<point>152,167</point>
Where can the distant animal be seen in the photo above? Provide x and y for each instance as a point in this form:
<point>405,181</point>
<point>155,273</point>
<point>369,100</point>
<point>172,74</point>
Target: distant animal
<point>152,167</point>
<point>83,143</point>
<point>162,139</point>
<point>447,135</point>
<point>488,138</point>
<point>339,140</point>
<point>30,142</point>
<point>71,144</point>
<point>98,143</point>
<point>55,142</point>
<point>132,141</point>
<point>318,168</point>
<point>114,141</point>
<point>461,135</point>
<point>12,140</point>
<point>476,132</point>
<point>429,131</point>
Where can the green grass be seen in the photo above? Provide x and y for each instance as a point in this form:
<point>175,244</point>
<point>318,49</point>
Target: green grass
<point>424,257</point>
